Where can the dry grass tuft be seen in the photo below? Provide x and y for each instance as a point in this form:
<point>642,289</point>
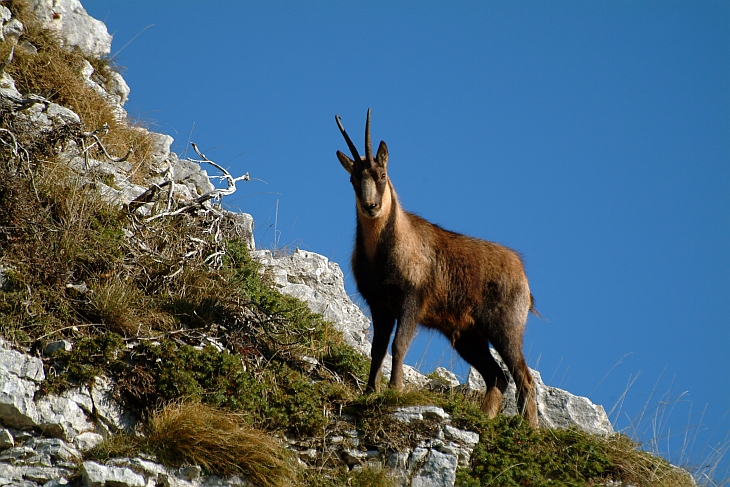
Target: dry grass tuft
<point>188,432</point>
<point>114,303</point>
<point>637,467</point>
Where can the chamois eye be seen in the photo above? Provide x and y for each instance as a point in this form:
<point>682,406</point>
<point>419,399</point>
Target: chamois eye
<point>382,176</point>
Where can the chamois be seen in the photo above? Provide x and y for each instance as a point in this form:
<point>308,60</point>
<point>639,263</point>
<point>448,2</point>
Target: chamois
<point>411,271</point>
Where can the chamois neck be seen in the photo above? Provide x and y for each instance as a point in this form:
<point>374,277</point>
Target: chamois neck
<point>371,229</point>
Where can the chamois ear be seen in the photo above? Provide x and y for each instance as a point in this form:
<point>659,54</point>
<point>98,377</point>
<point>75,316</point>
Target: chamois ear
<point>346,162</point>
<point>381,158</point>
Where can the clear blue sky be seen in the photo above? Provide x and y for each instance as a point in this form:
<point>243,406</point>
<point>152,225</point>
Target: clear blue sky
<point>592,137</point>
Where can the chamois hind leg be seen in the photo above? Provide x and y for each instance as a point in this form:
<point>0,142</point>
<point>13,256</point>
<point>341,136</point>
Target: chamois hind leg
<point>474,348</point>
<point>382,328</point>
<point>509,348</point>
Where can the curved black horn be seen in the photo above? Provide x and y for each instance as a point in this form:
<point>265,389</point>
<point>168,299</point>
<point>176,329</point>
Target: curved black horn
<point>352,147</point>
<point>368,144</point>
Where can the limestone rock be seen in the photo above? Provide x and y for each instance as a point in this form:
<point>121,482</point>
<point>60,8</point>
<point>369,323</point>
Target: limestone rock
<point>556,408</point>
<point>75,27</point>
<point>314,279</point>
<point>320,283</point>
<point>6,439</point>
<point>43,117</point>
<point>55,448</point>
<point>12,30</point>
<point>113,417</point>
<point>468,438</point>
<point>10,474</point>
<point>87,441</point>
<point>21,365</point>
<point>192,175</point>
<point>110,86</point>
<point>411,376</point>
<point>118,87</point>
<point>60,482</point>
<point>45,474</point>
<point>442,379</point>
<point>5,15</point>
<point>561,409</point>
<point>435,460</point>
<point>8,92</point>
<point>61,417</point>
<point>96,475</point>
<point>18,376</point>
<point>239,225</point>
<point>438,470</point>
<point>159,151</point>
<point>419,413</point>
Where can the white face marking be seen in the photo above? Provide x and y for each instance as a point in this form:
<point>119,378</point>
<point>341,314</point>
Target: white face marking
<point>372,225</point>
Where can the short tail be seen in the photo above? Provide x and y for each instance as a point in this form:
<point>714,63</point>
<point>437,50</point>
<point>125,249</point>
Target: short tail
<point>534,310</point>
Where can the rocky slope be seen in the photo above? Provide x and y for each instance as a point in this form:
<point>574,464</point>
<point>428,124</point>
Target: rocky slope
<point>43,437</point>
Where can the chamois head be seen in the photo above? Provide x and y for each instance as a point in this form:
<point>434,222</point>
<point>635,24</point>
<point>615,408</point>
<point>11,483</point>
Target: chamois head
<point>368,175</point>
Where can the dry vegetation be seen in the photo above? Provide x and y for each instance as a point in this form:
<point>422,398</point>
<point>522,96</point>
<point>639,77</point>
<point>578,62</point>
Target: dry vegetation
<point>191,433</point>
<point>177,313</point>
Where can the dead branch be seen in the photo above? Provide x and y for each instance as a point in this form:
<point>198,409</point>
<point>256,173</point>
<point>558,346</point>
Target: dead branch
<point>148,195</point>
<point>14,146</point>
<point>217,193</point>
<point>94,135</point>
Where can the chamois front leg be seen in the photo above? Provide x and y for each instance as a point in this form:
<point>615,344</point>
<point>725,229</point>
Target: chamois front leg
<point>382,328</point>
<point>403,337</point>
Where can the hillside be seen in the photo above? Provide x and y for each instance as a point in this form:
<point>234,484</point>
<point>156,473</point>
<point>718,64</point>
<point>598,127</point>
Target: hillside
<point>145,340</point>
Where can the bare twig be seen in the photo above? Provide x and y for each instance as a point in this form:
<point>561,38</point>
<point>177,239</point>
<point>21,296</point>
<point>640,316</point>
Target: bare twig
<point>94,135</point>
<point>83,325</point>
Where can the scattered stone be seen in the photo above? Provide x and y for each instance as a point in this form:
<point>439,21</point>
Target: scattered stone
<point>442,379</point>
<point>467,438</point>
<point>87,441</point>
<point>17,454</point>
<point>64,345</point>
<point>96,475</point>
<point>420,413</point>
<point>10,474</point>
<point>190,473</point>
<point>354,457</point>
